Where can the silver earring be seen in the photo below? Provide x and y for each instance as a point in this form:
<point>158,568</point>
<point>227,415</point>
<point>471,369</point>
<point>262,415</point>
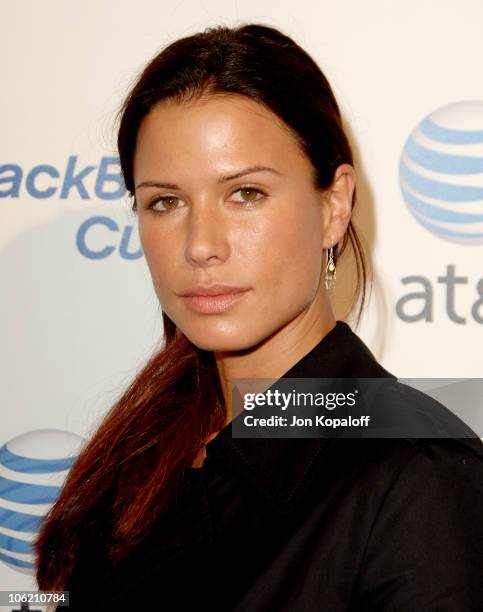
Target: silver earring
<point>330,271</point>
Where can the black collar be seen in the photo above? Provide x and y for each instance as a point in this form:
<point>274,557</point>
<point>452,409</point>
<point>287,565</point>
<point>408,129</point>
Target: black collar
<point>282,468</point>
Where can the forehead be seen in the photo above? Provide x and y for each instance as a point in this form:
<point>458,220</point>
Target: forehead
<point>215,133</point>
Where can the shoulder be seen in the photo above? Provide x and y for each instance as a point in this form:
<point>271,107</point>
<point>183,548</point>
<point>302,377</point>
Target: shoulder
<point>423,542</point>
<point>389,459</point>
<point>434,497</point>
<point>447,470</point>
<point>434,466</point>
<point>401,410</point>
<point>404,476</point>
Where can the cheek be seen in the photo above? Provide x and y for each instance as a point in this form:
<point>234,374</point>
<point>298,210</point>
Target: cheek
<point>287,253</point>
<point>158,251</point>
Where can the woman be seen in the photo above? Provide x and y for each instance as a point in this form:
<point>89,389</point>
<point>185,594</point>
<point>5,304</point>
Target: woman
<point>232,147</point>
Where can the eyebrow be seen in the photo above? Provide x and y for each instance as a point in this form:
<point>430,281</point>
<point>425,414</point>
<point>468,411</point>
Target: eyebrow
<point>220,179</point>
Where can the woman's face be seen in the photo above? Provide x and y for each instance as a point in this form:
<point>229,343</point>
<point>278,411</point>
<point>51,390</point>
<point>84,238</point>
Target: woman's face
<point>262,231</point>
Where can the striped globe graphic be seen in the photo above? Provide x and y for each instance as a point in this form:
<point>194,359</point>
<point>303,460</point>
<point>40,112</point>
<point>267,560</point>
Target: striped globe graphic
<point>33,467</point>
<point>441,172</point>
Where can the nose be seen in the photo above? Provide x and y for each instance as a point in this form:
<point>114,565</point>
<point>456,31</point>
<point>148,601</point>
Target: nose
<point>207,235</point>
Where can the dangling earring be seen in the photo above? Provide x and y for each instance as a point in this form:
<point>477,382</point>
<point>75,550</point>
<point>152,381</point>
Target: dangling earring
<point>330,271</point>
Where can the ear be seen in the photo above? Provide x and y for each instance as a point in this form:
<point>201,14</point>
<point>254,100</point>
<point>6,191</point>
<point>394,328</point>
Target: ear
<point>338,205</point>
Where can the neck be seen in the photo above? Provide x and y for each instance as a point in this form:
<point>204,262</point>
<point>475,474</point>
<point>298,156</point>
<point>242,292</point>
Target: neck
<point>277,353</point>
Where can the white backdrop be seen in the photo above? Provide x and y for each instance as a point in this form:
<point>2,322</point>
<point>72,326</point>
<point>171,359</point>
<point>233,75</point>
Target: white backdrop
<point>76,327</point>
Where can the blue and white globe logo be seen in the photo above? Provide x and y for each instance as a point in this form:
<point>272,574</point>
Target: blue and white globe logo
<point>441,172</point>
<point>33,467</point>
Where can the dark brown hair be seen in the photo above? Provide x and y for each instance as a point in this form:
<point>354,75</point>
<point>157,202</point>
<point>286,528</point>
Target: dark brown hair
<point>154,431</point>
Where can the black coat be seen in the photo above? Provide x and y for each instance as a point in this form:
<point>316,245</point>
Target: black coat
<point>309,524</point>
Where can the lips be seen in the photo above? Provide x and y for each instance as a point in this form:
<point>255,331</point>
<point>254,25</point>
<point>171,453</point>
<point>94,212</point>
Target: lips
<point>215,303</point>
<point>212,290</point>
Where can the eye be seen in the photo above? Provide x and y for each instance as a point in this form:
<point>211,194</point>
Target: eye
<point>167,201</point>
<point>250,192</point>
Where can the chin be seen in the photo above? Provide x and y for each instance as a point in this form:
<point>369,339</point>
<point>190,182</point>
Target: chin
<point>225,340</point>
